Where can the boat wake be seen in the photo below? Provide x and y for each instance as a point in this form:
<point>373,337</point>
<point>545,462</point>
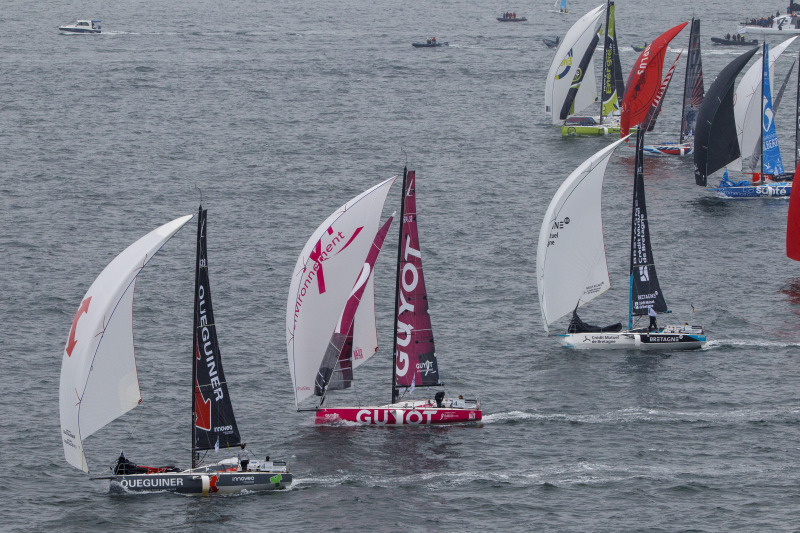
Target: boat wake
<point>638,414</point>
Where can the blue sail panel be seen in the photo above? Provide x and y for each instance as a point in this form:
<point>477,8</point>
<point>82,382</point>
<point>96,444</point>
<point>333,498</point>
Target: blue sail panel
<point>771,159</point>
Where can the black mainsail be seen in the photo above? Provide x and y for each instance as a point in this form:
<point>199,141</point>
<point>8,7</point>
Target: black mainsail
<point>715,140</point>
<point>213,423</point>
<point>569,103</point>
<point>613,85</point>
<point>693,89</point>
<point>645,290</point>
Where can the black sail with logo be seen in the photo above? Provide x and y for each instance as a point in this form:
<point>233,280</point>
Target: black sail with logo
<point>645,290</point>
<point>214,423</point>
<point>715,140</point>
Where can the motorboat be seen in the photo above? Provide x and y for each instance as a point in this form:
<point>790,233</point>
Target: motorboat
<point>788,24</point>
<point>80,26</point>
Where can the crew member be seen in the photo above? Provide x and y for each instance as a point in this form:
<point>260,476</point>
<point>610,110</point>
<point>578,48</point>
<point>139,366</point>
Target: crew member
<point>244,457</point>
<point>652,314</point>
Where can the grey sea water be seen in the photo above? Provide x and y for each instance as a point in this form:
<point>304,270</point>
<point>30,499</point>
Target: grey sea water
<point>277,113</point>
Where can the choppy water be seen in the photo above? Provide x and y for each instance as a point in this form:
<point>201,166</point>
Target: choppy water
<point>279,113</point>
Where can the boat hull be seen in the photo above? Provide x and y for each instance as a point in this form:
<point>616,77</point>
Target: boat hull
<point>767,190</point>
<point>205,481</point>
<point>633,340</point>
<point>669,149</point>
<point>400,414</point>
<point>77,31</point>
<point>521,19</point>
<point>426,45</point>
<point>590,131</point>
<point>732,42</point>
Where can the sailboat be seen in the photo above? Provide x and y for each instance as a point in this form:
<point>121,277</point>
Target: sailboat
<point>569,90</point>
<point>330,316</point>
<point>562,7</point>
<point>571,263</point>
<point>99,381</point>
<point>739,131</point>
<point>693,93</point>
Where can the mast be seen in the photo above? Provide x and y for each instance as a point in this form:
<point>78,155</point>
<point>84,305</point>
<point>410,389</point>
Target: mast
<point>397,286</point>
<point>686,79</point>
<point>764,66</point>
<point>605,59</point>
<point>194,337</point>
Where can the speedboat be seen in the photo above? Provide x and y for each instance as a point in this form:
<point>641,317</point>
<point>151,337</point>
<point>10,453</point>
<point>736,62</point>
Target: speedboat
<point>81,26</point>
<point>734,42</point>
<point>430,44</point>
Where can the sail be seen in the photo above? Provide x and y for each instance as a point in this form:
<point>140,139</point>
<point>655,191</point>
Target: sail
<point>214,423</point>
<point>571,267</point>
<point>336,369</point>
<point>693,90</point>
<point>645,290</point>
<point>415,362</point>
<point>655,109</point>
<point>613,86</point>
<point>715,140</point>
<point>99,381</point>
<point>563,6</point>
<point>793,223</point>
<point>785,84</point>
<point>748,110</point>
<point>565,63</point>
<point>324,276</point>
<point>644,80</point>
<point>583,67</point>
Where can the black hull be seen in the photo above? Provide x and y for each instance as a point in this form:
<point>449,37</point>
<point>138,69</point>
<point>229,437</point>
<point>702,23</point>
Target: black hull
<point>731,42</point>
<point>202,484</point>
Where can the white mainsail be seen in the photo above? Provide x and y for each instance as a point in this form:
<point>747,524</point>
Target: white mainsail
<point>747,106</point>
<point>565,63</point>
<point>571,264</point>
<point>323,279</point>
<point>99,382</point>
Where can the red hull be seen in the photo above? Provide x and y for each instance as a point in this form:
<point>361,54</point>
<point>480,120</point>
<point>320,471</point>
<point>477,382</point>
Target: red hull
<point>388,416</point>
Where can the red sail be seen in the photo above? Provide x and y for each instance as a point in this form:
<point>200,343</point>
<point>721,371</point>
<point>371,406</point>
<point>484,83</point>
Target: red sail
<point>793,223</point>
<point>644,81</point>
<point>416,357</point>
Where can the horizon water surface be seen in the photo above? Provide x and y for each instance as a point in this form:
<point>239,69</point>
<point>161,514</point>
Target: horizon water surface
<point>278,113</point>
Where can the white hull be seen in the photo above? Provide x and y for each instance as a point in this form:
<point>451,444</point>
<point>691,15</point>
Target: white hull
<point>669,338</point>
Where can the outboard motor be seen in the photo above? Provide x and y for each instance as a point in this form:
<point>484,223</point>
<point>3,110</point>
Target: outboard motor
<point>439,397</point>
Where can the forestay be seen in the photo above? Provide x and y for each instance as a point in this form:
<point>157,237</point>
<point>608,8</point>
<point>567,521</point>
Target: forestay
<point>99,381</point>
<point>571,267</point>
<point>564,65</point>
<point>323,279</point>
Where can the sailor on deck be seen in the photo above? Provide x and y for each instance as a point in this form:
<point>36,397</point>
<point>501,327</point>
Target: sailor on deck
<point>244,457</point>
<point>652,314</point>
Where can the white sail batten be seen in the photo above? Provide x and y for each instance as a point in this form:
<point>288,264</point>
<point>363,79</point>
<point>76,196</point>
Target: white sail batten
<point>571,264</point>
<point>323,280</point>
<point>747,107</point>
<point>99,381</point>
<point>565,63</point>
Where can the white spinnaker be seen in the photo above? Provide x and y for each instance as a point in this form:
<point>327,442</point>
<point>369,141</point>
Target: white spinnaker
<point>99,382</point>
<point>747,104</point>
<point>343,242</point>
<point>571,264</point>
<point>565,63</point>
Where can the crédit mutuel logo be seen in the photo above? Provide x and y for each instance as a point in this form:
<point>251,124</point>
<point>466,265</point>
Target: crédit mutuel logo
<point>330,244</point>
